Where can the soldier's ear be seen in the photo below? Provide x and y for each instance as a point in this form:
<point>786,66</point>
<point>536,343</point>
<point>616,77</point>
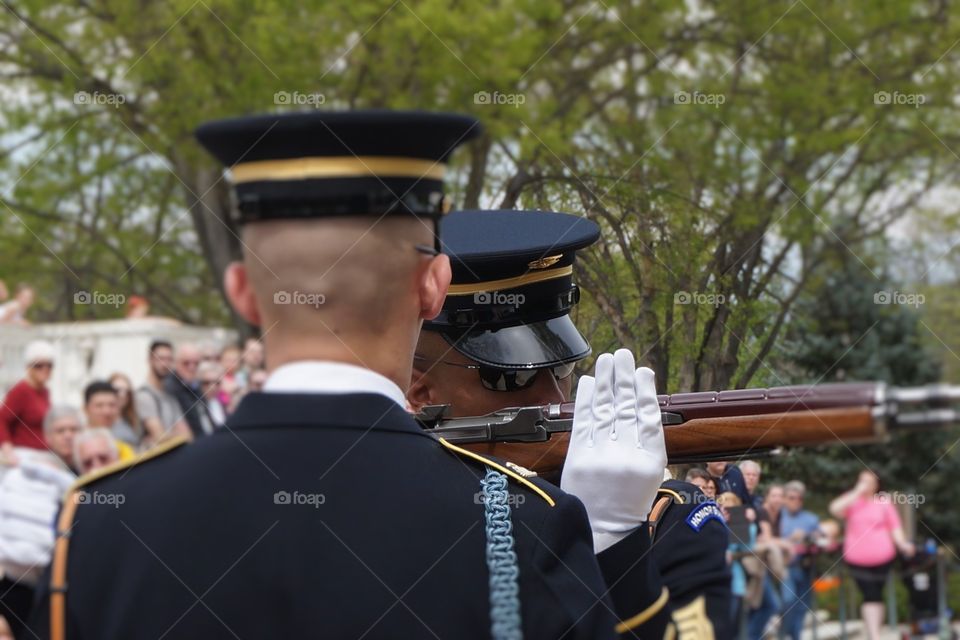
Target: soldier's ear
<point>236,284</point>
<point>421,392</point>
<point>434,282</point>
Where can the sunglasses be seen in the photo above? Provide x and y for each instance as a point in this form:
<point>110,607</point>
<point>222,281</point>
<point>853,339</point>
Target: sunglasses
<point>42,365</point>
<point>496,379</point>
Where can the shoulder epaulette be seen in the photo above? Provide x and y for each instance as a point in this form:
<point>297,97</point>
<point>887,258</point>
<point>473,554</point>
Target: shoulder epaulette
<point>665,498</point>
<point>154,452</point>
<point>58,565</point>
<point>512,471</point>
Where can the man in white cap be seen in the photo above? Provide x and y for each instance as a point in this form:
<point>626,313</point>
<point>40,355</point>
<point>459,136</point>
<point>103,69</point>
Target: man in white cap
<point>27,402</point>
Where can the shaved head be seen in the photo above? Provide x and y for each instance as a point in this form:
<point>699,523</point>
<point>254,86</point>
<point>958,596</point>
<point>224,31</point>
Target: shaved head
<point>351,289</point>
<point>339,271</point>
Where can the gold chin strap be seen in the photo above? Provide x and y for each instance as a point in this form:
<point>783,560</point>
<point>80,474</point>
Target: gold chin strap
<point>509,283</point>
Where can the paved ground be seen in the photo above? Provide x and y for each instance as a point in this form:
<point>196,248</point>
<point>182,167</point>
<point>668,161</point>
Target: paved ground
<point>830,630</point>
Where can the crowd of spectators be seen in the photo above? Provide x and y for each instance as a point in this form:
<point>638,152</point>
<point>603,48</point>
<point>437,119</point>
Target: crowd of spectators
<point>189,391</point>
<point>775,541</point>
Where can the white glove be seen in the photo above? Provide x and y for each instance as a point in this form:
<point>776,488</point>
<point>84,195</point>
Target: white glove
<point>616,458</point>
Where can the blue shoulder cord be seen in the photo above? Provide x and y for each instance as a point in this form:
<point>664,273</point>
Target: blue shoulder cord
<point>501,559</point>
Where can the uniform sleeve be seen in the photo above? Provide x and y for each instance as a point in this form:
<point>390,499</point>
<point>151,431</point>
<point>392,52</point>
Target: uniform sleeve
<point>636,589</point>
<point>690,552</point>
<point>616,594</point>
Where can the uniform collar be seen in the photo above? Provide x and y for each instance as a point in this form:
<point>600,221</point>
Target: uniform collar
<point>366,411</point>
<point>321,376</point>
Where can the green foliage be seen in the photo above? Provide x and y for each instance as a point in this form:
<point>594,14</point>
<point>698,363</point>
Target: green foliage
<point>727,149</point>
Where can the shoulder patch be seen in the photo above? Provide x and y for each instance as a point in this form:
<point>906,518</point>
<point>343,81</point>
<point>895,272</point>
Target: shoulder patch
<point>703,514</point>
<point>510,469</point>
<point>149,454</point>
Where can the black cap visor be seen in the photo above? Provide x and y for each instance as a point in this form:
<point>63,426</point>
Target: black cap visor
<point>525,346</point>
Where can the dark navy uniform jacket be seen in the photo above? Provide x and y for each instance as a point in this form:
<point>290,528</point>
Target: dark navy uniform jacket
<point>690,549</point>
<point>337,517</point>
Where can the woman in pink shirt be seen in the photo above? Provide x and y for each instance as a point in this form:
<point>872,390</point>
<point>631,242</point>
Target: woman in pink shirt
<point>873,537</point>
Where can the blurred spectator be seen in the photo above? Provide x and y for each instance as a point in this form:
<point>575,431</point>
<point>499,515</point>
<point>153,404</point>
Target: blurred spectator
<point>4,293</point>
<point>751,472</point>
<point>183,385</point>
<point>737,549</point>
<point>799,527</point>
<point>158,410</point>
<point>137,307</point>
<point>15,311</point>
<point>208,352</point>
<point>830,535</point>
<point>252,360</point>
<point>127,428</point>
<point>257,379</point>
<point>254,385</point>
<point>774,553</point>
<point>704,481</point>
<point>30,496</point>
<point>773,507</point>
<point>102,408</point>
<point>6,633</point>
<point>873,537</point>
<point>94,448</point>
<point>208,375</point>
<point>61,426</point>
<point>730,479</point>
<point>229,383</point>
<point>27,402</point>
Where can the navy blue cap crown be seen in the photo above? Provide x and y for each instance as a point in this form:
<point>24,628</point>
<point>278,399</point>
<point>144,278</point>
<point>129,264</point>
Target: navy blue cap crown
<point>512,290</point>
<point>505,256</point>
<point>315,164</point>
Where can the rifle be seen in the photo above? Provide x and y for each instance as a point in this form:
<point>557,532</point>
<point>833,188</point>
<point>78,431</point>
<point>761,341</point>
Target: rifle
<point>717,425</point>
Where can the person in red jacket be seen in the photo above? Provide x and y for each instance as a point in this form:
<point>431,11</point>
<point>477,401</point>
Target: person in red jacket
<point>27,402</point>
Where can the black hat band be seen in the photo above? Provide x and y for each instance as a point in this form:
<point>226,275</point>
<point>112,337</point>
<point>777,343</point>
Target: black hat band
<point>340,197</point>
<point>503,308</point>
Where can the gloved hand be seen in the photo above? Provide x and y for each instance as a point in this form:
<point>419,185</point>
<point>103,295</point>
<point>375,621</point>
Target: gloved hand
<point>617,456</point>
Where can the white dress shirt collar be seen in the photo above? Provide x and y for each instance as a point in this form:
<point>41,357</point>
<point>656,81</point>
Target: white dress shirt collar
<point>322,376</point>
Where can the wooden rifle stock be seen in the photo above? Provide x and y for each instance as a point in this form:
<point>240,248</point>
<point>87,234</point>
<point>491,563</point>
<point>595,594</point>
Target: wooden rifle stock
<point>710,438</point>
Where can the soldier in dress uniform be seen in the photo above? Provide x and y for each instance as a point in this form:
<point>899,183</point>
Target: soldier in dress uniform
<point>322,509</point>
<point>505,339</point>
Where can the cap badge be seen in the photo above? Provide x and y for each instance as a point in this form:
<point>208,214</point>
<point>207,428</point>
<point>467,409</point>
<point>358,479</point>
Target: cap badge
<point>543,263</point>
